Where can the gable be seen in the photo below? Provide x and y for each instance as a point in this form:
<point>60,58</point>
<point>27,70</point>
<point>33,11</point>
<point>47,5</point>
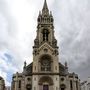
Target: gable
<point>46,46</point>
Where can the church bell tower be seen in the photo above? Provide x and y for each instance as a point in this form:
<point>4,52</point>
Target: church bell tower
<point>45,28</point>
<point>45,52</point>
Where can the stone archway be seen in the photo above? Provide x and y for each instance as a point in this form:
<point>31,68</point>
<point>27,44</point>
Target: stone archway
<point>28,87</point>
<point>45,83</point>
<point>62,86</point>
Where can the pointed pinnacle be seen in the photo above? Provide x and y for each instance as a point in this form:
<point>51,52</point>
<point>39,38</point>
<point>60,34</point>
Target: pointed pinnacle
<point>66,64</point>
<point>24,65</point>
<point>45,4</point>
<point>45,7</point>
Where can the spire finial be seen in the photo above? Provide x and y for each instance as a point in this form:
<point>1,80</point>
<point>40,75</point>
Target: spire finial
<point>45,8</point>
<point>45,5</point>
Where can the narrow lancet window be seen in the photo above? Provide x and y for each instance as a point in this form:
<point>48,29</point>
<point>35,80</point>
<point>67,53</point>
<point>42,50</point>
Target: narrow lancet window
<point>71,85</point>
<point>45,35</point>
<point>76,85</point>
<point>19,84</point>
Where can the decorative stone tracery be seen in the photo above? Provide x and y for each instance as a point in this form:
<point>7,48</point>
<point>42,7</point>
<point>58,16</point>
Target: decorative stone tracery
<point>45,62</point>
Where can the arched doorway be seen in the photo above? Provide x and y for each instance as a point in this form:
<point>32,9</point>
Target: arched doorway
<point>45,83</point>
<point>45,87</point>
<point>28,87</point>
<point>62,86</point>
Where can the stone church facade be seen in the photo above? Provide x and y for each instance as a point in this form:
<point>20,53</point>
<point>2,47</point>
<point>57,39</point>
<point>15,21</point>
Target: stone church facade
<point>45,72</point>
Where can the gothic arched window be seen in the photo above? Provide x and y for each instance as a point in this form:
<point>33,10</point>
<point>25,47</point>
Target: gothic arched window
<point>45,35</point>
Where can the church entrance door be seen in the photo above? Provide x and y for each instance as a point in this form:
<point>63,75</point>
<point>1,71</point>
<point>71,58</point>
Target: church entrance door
<point>45,87</point>
<point>62,88</point>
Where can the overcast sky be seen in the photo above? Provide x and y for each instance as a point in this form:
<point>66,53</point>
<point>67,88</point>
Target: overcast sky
<point>18,22</point>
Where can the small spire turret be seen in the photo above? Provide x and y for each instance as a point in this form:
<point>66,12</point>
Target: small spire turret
<point>66,67</point>
<point>65,64</point>
<point>24,65</point>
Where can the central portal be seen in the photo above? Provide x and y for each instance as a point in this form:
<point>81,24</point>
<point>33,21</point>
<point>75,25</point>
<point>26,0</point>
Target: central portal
<point>45,87</point>
<point>46,83</point>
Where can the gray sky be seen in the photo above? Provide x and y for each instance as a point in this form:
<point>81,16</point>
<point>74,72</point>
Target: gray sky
<point>18,22</point>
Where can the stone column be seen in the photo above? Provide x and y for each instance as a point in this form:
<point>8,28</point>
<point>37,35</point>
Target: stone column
<point>16,81</point>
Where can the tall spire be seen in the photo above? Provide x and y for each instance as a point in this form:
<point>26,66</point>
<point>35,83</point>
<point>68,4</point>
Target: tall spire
<point>45,9</point>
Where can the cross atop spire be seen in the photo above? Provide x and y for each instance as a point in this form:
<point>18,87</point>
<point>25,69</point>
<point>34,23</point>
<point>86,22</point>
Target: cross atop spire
<point>45,9</point>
